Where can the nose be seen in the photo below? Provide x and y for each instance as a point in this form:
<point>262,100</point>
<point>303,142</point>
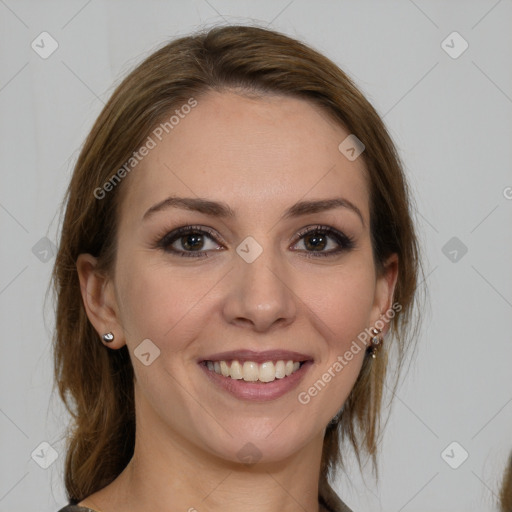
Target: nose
<point>260,295</point>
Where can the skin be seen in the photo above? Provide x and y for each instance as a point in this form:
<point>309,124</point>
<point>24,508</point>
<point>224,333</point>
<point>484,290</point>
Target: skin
<point>260,156</point>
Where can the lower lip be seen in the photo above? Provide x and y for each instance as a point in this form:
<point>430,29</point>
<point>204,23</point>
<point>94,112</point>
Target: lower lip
<point>258,391</point>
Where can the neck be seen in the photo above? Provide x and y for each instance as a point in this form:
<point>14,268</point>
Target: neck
<point>169,473</point>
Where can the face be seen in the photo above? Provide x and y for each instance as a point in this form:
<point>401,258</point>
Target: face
<point>253,274</point>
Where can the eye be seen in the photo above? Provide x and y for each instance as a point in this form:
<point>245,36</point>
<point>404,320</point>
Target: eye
<point>317,238</point>
<point>189,241</point>
<point>197,241</point>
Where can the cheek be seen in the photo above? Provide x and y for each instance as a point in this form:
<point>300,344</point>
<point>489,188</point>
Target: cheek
<point>341,301</point>
<point>157,303</point>
<point>341,306</point>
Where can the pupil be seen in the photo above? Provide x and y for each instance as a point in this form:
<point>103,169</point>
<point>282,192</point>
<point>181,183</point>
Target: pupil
<point>315,241</point>
<point>193,241</point>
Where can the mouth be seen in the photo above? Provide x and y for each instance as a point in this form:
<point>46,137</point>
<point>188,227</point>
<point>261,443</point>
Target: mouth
<point>256,376</point>
<point>251,371</point>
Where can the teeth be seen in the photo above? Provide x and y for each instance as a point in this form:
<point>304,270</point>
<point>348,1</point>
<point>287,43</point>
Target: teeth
<point>250,371</point>
<point>224,369</point>
<point>280,370</point>
<point>235,372</point>
<point>267,372</point>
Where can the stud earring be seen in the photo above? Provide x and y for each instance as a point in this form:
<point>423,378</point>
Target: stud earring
<point>108,337</point>
<point>376,342</point>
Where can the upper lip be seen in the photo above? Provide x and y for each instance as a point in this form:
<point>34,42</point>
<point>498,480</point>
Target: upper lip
<point>258,357</point>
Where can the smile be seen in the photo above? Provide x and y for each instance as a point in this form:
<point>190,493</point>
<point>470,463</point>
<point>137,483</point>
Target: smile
<point>251,371</point>
<point>257,382</point>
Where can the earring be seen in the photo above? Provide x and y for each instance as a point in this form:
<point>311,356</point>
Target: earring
<point>376,342</point>
<point>108,337</point>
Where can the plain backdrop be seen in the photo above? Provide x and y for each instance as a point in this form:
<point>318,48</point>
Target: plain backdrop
<point>449,110</point>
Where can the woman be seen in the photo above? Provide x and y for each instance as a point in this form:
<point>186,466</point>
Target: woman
<point>236,254</point>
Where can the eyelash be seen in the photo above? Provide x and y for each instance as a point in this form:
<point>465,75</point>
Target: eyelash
<point>164,242</point>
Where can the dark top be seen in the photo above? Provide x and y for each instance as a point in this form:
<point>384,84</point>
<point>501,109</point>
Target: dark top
<point>326,497</point>
<point>73,507</point>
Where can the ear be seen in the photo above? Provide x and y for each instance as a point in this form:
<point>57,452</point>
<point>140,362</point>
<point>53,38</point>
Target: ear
<point>384,290</point>
<point>99,300</point>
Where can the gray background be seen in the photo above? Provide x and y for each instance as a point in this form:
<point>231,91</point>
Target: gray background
<point>452,121</point>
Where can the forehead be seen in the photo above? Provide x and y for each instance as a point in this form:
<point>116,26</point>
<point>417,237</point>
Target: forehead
<point>256,154</point>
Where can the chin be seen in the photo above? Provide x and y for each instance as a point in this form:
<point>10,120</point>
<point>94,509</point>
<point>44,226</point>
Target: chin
<point>260,445</point>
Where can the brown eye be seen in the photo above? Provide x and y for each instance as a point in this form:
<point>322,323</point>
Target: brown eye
<point>324,241</point>
<point>189,241</point>
<point>316,241</point>
<point>192,241</point>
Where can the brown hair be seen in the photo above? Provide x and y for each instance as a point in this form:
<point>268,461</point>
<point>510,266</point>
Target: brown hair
<point>96,384</point>
<point>506,489</point>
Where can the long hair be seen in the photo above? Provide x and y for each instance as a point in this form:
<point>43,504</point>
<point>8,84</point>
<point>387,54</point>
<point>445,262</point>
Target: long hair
<point>96,384</point>
<point>506,488</point>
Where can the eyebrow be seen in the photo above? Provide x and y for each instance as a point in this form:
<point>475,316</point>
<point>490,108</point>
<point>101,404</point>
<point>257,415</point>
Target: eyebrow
<point>222,210</point>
